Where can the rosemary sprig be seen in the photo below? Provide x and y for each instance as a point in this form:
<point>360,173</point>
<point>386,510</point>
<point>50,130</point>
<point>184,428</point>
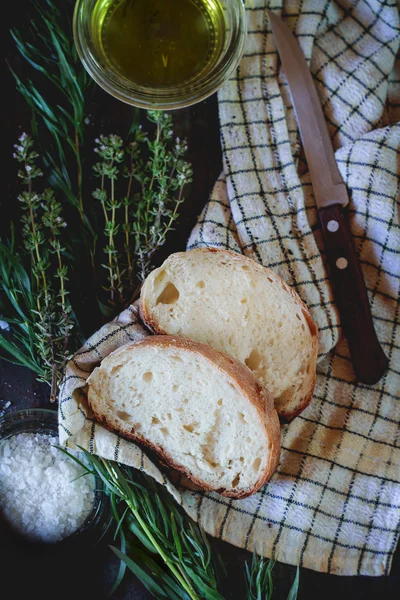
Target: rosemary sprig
<point>163,547</point>
<point>17,308</point>
<point>259,581</point>
<point>153,528</point>
<point>52,54</point>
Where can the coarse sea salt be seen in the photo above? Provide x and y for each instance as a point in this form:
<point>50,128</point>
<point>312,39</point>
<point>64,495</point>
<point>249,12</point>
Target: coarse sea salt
<point>42,492</point>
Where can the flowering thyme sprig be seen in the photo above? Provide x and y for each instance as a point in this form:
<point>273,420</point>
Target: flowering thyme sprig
<point>150,206</point>
<point>42,224</point>
<point>162,181</point>
<point>109,149</point>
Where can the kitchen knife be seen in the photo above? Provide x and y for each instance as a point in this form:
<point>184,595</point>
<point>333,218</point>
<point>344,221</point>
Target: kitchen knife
<point>369,360</point>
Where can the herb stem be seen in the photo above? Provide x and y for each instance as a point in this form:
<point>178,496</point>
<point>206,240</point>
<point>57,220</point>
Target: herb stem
<point>38,261</point>
<point>126,216</point>
<point>154,169</point>
<point>79,173</point>
<point>177,572</point>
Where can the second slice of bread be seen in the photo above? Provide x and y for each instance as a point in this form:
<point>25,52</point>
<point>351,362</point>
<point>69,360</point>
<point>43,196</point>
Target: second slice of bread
<point>236,305</point>
<point>201,411</point>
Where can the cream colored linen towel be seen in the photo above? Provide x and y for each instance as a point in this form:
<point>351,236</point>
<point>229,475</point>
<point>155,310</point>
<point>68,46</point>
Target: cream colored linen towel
<point>334,503</point>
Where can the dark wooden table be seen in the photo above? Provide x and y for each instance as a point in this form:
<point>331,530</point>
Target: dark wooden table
<point>80,574</point>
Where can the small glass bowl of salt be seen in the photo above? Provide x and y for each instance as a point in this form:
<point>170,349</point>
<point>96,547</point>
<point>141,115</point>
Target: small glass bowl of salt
<point>45,496</point>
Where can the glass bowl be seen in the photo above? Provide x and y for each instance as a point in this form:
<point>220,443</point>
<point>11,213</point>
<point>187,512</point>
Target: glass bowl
<point>44,421</point>
<point>88,41</point>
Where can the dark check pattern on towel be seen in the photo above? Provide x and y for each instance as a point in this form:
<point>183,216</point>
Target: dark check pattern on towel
<point>334,503</point>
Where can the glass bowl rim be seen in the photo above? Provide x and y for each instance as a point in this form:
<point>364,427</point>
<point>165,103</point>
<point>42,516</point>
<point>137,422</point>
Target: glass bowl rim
<point>152,98</point>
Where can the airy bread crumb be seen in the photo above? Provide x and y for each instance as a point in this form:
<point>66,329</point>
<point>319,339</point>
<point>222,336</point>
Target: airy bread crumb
<point>237,306</point>
<point>201,411</point>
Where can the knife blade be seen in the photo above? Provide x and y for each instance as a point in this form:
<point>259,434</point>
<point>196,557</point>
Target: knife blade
<point>350,292</point>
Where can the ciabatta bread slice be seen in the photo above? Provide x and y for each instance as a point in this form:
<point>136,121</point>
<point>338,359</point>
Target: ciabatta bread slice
<point>237,306</point>
<point>201,411</point>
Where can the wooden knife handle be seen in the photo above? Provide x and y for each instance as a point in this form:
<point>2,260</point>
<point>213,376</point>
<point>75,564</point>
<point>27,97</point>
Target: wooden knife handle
<point>369,360</point>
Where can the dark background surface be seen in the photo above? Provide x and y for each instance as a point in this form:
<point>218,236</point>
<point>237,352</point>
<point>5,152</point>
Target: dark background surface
<point>79,572</point>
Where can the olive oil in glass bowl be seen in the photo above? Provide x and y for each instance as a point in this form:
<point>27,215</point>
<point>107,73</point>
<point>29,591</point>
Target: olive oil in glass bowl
<point>160,54</point>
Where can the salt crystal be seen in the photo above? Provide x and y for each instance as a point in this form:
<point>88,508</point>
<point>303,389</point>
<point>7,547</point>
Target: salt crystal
<point>40,493</point>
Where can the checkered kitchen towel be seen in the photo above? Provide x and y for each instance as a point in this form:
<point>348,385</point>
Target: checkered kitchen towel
<point>334,503</point>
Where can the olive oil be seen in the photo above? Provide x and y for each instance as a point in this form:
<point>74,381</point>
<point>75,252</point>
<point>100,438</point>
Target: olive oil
<point>160,43</point>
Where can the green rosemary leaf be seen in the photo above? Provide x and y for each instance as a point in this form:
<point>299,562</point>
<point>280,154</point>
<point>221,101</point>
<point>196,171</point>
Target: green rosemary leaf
<point>206,592</point>
<point>149,583</point>
<point>75,459</point>
<point>122,565</point>
<point>137,532</point>
<point>172,589</point>
<point>176,536</point>
<point>258,578</point>
<point>26,50</point>
<point>120,521</point>
<point>17,357</point>
<point>295,586</point>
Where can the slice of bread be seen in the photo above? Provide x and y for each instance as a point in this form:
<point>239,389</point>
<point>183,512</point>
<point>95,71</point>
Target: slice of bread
<point>237,306</point>
<point>202,412</point>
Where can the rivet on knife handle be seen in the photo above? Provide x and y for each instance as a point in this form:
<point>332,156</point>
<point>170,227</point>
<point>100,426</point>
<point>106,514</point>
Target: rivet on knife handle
<point>369,360</point>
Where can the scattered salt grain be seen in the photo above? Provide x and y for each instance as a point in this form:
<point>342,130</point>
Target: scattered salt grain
<point>42,491</point>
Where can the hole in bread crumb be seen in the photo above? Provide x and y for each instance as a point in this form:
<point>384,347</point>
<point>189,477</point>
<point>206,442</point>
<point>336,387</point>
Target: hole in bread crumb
<point>242,418</point>
<point>298,316</point>
<point>175,388</point>
<point>241,459</point>
<point>191,427</point>
<point>253,360</point>
<point>256,464</point>
<point>176,358</point>
<point>279,324</point>
<point>148,376</point>
<point>271,279</point>
<point>201,284</point>
<point>155,421</point>
<point>235,482</point>
<point>169,416</point>
<point>160,277</point>
<point>164,430</point>
<point>179,410</point>
<point>185,401</point>
<point>302,326</point>
<point>116,369</point>
<point>169,295</point>
<point>245,268</point>
<point>243,300</point>
<point>248,440</point>
<point>124,416</point>
<point>219,402</point>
